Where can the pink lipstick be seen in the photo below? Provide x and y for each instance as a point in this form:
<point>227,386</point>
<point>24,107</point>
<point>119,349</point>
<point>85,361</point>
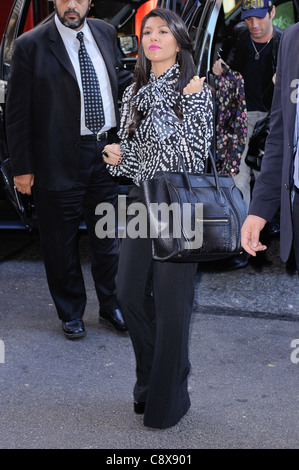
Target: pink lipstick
<point>153,47</point>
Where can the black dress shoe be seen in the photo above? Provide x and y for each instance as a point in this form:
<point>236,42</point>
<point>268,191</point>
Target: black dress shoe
<point>270,229</point>
<point>73,329</point>
<point>139,407</point>
<point>237,261</point>
<point>114,316</point>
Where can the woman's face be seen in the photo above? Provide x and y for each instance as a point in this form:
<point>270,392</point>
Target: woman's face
<point>159,45</point>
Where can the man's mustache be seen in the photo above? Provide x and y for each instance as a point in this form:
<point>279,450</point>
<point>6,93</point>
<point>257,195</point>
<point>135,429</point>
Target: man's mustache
<point>71,10</point>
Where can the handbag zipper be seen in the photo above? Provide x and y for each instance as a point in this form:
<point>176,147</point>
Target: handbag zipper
<point>212,220</point>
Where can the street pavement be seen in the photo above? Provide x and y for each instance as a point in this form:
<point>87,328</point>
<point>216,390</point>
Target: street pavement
<point>61,394</point>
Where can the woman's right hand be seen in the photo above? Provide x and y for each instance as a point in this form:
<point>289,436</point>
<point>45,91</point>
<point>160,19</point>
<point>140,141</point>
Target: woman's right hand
<point>194,86</point>
<point>217,67</point>
<point>111,154</point>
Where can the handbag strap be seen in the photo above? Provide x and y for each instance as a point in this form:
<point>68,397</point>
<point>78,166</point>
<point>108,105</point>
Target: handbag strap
<point>186,174</point>
<point>181,158</point>
<point>210,80</point>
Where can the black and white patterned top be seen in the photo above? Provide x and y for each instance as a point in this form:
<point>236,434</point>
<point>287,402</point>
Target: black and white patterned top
<point>161,134</point>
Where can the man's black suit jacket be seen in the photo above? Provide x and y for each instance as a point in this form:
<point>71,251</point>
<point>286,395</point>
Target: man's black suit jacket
<point>43,103</point>
<point>273,188</point>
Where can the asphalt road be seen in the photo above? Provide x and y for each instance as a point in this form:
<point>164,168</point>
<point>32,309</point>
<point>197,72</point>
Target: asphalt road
<point>61,394</point>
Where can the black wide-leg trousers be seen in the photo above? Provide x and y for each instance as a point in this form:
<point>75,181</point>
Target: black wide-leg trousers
<point>156,299</point>
<point>59,216</point>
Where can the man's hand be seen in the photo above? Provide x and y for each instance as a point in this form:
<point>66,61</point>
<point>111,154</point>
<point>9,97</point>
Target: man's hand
<point>24,183</point>
<point>218,67</point>
<point>250,234</point>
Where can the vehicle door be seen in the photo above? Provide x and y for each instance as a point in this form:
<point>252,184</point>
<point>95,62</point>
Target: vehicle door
<point>23,205</point>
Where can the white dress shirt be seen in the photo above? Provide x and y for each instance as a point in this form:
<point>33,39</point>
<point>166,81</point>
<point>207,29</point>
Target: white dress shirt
<point>72,45</point>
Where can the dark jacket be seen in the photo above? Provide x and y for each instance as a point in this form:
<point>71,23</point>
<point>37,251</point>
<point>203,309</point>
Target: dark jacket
<point>236,54</point>
<point>274,184</point>
<point>43,103</point>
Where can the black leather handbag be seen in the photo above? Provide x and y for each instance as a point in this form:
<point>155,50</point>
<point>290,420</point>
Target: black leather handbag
<point>206,216</point>
<point>256,146</point>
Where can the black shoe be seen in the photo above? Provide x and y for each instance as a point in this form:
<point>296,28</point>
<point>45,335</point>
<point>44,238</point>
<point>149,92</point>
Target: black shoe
<point>139,407</point>
<point>237,261</point>
<point>73,329</point>
<point>270,229</point>
<point>115,317</point>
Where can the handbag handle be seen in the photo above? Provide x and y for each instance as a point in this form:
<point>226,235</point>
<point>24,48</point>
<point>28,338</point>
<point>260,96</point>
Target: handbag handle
<point>181,159</point>
<point>215,173</point>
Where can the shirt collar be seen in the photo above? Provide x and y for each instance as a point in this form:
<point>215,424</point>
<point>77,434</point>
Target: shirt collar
<point>69,35</point>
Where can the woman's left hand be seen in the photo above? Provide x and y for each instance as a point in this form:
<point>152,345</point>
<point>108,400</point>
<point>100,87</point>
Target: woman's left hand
<point>112,154</point>
<point>195,85</point>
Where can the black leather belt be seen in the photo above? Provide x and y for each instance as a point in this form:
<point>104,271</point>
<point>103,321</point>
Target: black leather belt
<point>99,136</point>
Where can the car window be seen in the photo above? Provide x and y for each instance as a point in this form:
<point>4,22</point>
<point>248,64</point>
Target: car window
<point>200,18</point>
<point>191,15</point>
<point>285,15</point>
<point>15,23</point>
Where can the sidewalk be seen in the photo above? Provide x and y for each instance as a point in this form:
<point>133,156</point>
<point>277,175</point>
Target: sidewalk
<point>60,394</point>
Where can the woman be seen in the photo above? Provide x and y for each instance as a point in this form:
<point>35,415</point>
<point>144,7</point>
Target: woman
<point>164,111</point>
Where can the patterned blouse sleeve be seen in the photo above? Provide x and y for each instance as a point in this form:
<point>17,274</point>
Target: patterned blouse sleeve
<point>198,125</point>
<point>129,165</point>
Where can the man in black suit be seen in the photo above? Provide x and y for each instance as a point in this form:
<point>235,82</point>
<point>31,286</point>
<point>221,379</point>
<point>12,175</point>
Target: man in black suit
<point>278,183</point>
<point>55,153</point>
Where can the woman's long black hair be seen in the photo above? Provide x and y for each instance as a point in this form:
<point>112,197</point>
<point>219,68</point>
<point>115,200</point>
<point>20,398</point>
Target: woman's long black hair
<point>184,59</point>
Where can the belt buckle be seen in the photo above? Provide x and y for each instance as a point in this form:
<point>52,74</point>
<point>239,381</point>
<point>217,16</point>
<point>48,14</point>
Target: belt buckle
<point>102,135</point>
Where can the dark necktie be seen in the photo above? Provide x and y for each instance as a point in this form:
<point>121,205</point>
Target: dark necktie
<point>94,112</point>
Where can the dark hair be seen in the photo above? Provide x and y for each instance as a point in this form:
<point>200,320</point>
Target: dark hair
<point>184,59</point>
